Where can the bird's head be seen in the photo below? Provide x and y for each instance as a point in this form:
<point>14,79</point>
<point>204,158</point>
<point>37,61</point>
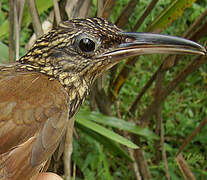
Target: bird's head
<point>85,48</point>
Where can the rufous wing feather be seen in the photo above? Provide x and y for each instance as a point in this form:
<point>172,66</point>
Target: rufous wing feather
<point>33,117</point>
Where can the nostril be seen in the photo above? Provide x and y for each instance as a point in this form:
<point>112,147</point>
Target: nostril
<point>129,40</point>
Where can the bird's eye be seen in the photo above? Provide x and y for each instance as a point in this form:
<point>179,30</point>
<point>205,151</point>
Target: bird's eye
<point>87,45</point>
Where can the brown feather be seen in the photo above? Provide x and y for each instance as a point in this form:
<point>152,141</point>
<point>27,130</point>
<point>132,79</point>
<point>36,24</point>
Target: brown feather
<point>33,117</point>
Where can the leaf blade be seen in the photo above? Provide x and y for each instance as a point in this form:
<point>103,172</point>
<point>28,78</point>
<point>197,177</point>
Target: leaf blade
<point>117,123</point>
<point>105,132</point>
<point>170,14</point>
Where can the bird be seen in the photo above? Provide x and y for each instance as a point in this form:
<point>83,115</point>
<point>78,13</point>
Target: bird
<point>45,88</point>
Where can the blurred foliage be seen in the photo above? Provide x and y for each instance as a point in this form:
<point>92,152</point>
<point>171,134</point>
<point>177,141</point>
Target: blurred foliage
<point>98,157</point>
<point>4,51</point>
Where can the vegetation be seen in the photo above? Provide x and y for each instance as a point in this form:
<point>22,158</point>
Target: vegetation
<point>116,118</point>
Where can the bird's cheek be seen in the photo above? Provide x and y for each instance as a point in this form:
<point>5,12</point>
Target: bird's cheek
<point>68,67</point>
<point>102,66</point>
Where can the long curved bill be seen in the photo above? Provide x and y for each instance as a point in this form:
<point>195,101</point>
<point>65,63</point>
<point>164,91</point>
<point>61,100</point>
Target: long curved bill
<point>149,43</point>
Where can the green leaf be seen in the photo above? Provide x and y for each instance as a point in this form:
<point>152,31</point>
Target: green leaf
<point>117,123</point>
<point>4,52</point>
<point>105,132</point>
<point>113,147</point>
<point>170,14</point>
<point>4,28</point>
<point>42,6</point>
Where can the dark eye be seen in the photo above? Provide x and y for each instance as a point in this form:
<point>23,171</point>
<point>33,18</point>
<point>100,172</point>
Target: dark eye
<point>86,45</point>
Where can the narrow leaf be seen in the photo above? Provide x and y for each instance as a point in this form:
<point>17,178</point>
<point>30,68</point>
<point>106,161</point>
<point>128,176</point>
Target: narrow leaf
<point>113,147</point>
<point>105,132</point>
<point>170,14</point>
<point>117,123</point>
